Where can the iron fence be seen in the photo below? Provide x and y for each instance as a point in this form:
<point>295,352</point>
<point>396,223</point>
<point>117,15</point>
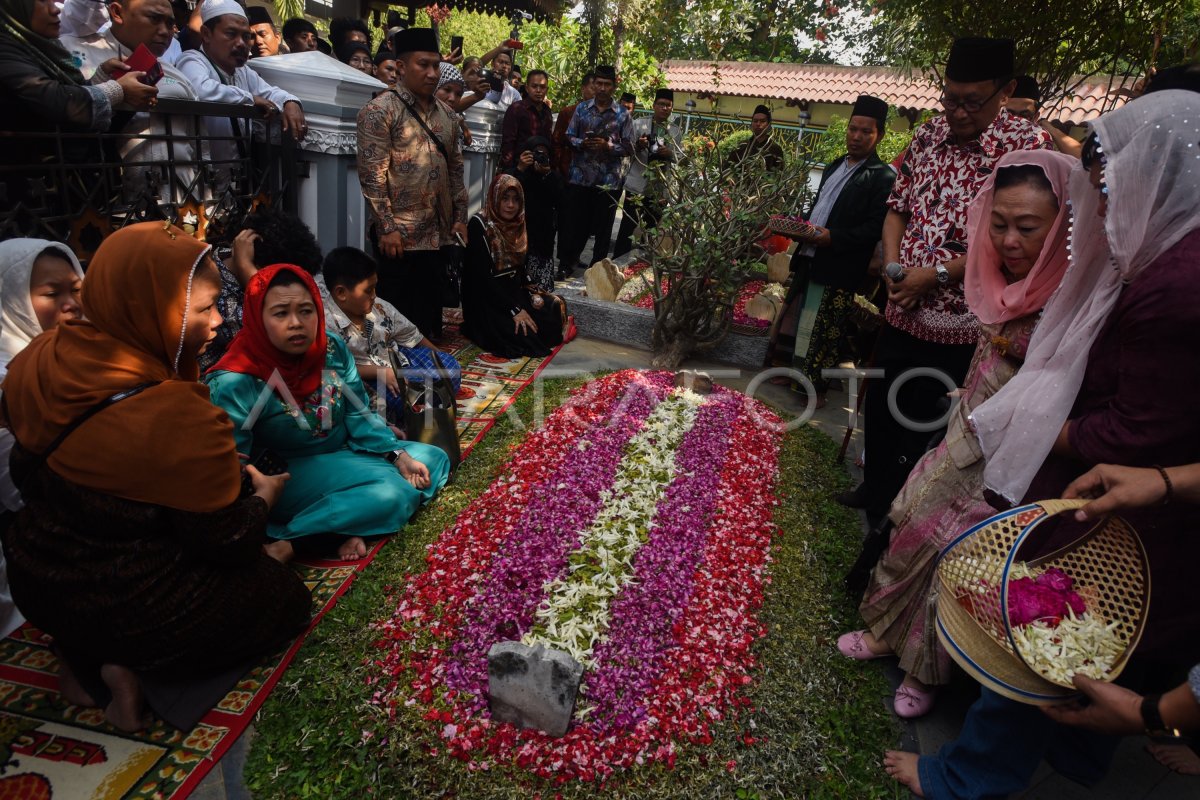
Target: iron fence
<point>167,165</point>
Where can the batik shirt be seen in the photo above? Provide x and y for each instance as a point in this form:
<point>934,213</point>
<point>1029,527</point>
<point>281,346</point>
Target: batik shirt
<point>591,168</point>
<point>666,135</point>
<point>937,182</point>
<point>383,329</point>
<point>408,185</point>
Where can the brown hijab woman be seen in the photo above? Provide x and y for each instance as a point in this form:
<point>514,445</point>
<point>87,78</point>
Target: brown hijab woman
<point>136,550</point>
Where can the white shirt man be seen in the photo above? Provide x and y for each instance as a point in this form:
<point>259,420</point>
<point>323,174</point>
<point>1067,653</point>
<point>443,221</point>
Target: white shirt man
<point>219,74</point>
<point>133,23</point>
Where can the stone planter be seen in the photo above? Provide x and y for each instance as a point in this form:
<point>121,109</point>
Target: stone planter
<point>625,324</point>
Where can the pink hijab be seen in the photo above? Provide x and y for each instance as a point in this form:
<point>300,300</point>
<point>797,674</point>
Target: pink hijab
<point>989,294</point>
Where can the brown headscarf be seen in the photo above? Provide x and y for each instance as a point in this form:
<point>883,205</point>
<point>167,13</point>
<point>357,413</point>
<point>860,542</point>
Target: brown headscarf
<point>170,445</point>
<point>506,240</point>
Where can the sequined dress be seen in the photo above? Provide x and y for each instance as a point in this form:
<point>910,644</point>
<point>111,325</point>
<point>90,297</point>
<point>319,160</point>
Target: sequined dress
<point>942,497</point>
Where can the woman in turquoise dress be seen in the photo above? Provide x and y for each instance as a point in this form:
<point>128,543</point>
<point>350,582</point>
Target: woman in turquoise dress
<point>291,388</point>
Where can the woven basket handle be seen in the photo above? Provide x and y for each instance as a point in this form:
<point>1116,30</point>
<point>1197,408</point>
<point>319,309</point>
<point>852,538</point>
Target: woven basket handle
<point>1053,507</point>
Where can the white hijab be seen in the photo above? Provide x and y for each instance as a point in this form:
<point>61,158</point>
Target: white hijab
<point>1151,168</point>
<point>18,322</point>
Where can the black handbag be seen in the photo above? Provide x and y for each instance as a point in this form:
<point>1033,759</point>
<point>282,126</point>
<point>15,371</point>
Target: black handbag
<point>430,414</point>
<point>7,515</point>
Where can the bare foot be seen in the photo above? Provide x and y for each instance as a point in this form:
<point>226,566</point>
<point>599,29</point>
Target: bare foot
<point>902,767</point>
<point>69,687</point>
<point>1178,757</point>
<point>352,549</point>
<point>127,711</point>
<point>282,550</point>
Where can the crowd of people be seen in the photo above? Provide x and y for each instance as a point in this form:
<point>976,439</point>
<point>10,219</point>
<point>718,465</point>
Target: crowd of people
<point>1038,290</point>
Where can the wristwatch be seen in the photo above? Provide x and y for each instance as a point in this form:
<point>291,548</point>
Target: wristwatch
<point>943,274</point>
<point>1152,719</point>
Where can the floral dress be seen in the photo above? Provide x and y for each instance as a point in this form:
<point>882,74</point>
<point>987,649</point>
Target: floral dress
<point>334,446</point>
<point>942,497</point>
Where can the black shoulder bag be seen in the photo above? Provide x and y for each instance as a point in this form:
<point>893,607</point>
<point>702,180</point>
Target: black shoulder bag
<point>7,515</point>
<point>430,412</point>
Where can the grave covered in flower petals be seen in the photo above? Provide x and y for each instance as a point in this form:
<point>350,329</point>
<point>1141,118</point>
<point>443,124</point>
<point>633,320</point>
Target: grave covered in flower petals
<point>632,531</point>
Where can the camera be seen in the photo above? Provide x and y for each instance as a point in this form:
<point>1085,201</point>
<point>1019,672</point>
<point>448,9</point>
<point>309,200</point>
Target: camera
<point>660,151</point>
<point>493,80</point>
<point>541,157</point>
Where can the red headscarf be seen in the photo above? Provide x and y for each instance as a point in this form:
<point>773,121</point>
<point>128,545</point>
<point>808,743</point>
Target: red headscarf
<point>251,352</point>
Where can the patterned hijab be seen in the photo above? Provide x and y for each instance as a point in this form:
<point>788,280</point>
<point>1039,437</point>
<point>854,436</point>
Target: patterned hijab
<point>506,240</point>
<point>1149,148</point>
<point>251,351</point>
<point>16,17</point>
<point>449,74</point>
<point>170,445</point>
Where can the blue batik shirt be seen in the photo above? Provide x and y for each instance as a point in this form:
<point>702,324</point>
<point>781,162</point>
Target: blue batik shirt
<point>591,168</point>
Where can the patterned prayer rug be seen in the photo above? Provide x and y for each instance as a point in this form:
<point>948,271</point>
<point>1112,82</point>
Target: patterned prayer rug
<point>51,749</point>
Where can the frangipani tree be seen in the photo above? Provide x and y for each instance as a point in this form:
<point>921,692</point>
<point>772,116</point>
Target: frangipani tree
<point>715,211</point>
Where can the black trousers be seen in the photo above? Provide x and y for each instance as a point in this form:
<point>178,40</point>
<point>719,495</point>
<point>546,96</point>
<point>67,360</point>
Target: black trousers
<point>413,283</point>
<point>892,447</point>
<point>638,211</point>
<point>592,211</point>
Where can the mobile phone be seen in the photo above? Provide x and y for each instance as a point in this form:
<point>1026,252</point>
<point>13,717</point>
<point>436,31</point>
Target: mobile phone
<point>142,60</point>
<point>268,462</point>
<point>456,43</point>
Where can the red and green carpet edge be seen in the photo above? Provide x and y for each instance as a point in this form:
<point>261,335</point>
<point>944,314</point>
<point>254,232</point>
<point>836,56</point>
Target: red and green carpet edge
<point>752,699</point>
<point>50,749</point>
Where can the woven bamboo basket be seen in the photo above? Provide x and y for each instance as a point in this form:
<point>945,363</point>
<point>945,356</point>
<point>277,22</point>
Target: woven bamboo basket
<point>1108,564</point>
<point>793,228</point>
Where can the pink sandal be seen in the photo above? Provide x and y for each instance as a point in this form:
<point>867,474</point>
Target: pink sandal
<point>911,702</point>
<point>851,646</point>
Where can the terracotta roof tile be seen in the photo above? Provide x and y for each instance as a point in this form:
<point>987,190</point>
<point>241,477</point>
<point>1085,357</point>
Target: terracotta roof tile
<point>822,83</point>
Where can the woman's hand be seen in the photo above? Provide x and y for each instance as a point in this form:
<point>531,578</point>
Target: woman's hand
<point>137,94</point>
<point>413,471</point>
<point>1116,488</point>
<point>525,161</point>
<point>268,487</point>
<point>524,324</point>
<point>242,263</point>
<point>1106,708</point>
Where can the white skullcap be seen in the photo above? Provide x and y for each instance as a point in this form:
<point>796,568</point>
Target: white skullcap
<point>211,9</point>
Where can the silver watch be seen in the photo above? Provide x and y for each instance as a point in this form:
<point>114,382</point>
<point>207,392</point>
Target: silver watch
<point>943,274</point>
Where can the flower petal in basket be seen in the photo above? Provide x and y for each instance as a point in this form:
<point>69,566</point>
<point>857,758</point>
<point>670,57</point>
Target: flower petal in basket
<point>972,596</point>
